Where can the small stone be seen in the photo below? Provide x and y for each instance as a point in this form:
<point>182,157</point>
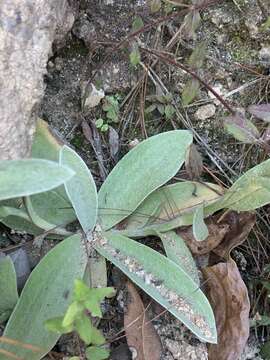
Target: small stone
<point>133,143</point>
<point>92,95</point>
<point>265,54</point>
<point>205,112</point>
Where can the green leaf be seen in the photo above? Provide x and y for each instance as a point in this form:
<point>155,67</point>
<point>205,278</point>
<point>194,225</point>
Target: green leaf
<point>45,144</point>
<point>139,173</point>
<point>18,219</point>
<point>81,189</point>
<point>241,129</point>
<point>191,23</point>
<point>251,190</point>
<point>199,228</point>
<point>74,311</point>
<point>84,327</point>
<point>190,91</point>
<point>150,108</point>
<point>97,337</point>
<point>96,353</point>
<point>135,56</point>
<point>46,295</point>
<point>104,128</point>
<point>53,207</point>
<point>198,54</point>
<point>31,176</point>
<point>169,111</point>
<point>261,111</point>
<point>171,206</point>
<point>137,24</point>
<point>164,281</point>
<point>177,251</point>
<point>56,325</point>
<point>99,123</point>
<point>95,298</point>
<point>161,109</point>
<point>155,5</point>
<point>8,287</point>
<point>91,297</point>
<point>41,223</point>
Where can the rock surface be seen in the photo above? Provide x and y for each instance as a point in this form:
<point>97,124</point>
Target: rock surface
<point>26,34</point>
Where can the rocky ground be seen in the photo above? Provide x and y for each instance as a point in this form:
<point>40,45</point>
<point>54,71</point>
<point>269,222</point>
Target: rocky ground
<point>237,65</point>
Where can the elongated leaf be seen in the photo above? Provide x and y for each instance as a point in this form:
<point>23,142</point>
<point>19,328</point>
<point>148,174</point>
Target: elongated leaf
<point>45,144</point>
<point>199,227</point>
<point>198,54</point>
<point>46,294</point>
<point>40,222</point>
<point>32,176</point>
<point>241,128</point>
<point>164,281</point>
<point>18,219</point>
<point>190,91</point>
<point>8,287</point>
<point>261,111</point>
<point>81,189</point>
<point>177,251</point>
<point>251,190</point>
<point>52,206</point>
<point>145,168</point>
<point>172,206</point>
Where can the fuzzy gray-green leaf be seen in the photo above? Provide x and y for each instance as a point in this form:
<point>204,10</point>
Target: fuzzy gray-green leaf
<point>164,281</point>
<point>145,168</point>
<point>81,189</point>
<point>31,176</point>
<point>171,206</point>
<point>251,190</point>
<point>177,251</point>
<point>200,230</point>
<point>8,287</point>
<point>46,294</point>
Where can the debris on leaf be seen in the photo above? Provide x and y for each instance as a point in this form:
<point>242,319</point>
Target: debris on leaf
<point>140,333</point>
<point>229,298</point>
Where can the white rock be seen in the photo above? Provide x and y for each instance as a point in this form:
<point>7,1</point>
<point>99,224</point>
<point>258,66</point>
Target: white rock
<point>265,54</point>
<point>93,96</point>
<point>205,112</point>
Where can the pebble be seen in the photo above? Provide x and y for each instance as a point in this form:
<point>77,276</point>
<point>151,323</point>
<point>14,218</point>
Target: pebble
<point>205,112</point>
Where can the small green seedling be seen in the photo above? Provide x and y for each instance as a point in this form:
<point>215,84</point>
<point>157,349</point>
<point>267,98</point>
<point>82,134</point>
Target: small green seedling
<point>85,304</point>
<point>163,104</point>
<point>111,109</point>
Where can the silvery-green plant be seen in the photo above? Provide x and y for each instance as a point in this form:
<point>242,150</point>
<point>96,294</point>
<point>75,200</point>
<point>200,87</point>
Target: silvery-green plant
<point>56,187</point>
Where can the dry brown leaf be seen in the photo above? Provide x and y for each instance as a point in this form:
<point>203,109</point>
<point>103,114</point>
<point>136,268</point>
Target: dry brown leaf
<point>228,296</point>
<point>215,237</point>
<point>193,163</point>
<point>224,234</point>
<point>140,333</point>
<point>240,226</point>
